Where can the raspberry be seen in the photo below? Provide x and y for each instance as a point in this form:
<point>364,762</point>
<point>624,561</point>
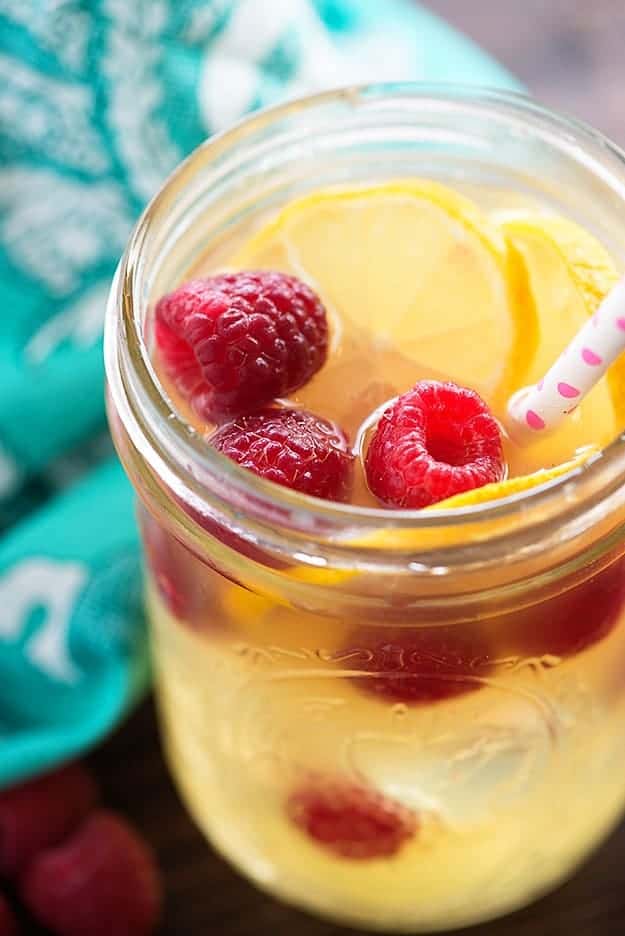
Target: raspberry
<point>434,441</point>
<point>232,540</point>
<point>291,447</point>
<point>419,665</point>
<point>184,582</point>
<point>235,342</point>
<point>40,813</point>
<point>168,568</point>
<point>350,820</point>
<point>571,622</point>
<point>8,923</point>
<point>102,880</point>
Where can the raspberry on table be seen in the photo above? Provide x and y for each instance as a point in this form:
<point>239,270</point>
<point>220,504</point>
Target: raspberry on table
<point>351,820</point>
<point>234,342</point>
<point>101,881</point>
<point>435,441</point>
<point>293,448</point>
<point>419,665</point>
<point>8,923</point>
<point>42,812</point>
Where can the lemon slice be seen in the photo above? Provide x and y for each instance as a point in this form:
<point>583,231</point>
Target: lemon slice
<point>410,266</point>
<point>492,492</point>
<point>589,265</point>
<point>411,540</point>
<point>593,270</point>
<point>242,605</point>
<point>569,273</point>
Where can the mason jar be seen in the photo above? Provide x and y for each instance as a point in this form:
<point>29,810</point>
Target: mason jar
<point>450,683</point>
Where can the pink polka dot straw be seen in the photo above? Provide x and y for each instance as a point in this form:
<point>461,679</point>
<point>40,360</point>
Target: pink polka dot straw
<point>536,410</point>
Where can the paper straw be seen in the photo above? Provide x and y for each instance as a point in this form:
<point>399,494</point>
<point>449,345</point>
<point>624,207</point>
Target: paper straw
<point>538,409</point>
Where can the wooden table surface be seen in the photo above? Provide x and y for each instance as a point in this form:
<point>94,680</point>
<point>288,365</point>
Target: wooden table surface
<point>571,54</point>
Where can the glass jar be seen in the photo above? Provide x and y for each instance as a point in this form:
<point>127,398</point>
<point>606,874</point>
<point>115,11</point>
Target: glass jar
<point>398,720</point>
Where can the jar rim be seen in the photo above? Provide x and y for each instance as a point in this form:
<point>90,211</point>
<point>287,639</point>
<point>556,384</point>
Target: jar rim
<point>164,437</point>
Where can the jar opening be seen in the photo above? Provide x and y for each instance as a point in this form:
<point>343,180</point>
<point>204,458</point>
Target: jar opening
<point>222,178</point>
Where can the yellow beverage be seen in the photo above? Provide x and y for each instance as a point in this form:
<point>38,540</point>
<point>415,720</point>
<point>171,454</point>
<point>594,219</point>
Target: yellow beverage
<point>376,718</point>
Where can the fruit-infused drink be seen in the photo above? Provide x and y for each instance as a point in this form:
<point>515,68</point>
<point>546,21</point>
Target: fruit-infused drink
<point>389,639</point>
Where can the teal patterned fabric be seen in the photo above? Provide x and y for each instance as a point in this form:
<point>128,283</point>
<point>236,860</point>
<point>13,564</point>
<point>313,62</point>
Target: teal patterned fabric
<point>99,99</point>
